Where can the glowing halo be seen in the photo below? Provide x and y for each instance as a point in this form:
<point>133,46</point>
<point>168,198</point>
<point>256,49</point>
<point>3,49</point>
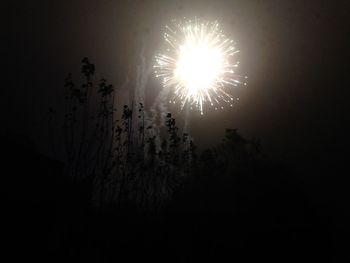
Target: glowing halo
<point>198,64</point>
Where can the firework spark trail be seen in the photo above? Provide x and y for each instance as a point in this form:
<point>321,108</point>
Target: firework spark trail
<point>143,71</point>
<point>155,115</point>
<point>197,64</point>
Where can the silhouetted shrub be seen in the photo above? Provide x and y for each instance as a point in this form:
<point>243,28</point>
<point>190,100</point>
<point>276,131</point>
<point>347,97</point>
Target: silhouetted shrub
<point>114,152</point>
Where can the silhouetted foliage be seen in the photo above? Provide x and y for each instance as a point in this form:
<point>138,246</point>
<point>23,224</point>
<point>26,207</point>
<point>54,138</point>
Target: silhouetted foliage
<point>130,187</point>
<point>123,160</point>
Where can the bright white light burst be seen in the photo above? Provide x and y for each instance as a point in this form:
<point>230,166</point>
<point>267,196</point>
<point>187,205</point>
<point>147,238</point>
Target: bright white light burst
<point>198,64</point>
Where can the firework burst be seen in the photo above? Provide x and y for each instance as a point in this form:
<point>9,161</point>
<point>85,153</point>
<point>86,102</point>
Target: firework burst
<point>198,64</point>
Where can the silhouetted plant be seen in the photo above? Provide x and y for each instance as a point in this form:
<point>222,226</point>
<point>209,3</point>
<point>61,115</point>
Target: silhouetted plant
<point>123,159</point>
<point>120,158</point>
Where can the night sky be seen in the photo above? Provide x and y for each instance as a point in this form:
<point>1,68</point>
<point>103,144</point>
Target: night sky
<point>295,54</point>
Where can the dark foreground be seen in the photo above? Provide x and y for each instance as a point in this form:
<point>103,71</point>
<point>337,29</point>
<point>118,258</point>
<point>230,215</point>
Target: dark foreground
<point>267,214</point>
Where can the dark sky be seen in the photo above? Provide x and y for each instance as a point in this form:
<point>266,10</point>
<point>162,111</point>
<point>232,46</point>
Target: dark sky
<point>294,52</point>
